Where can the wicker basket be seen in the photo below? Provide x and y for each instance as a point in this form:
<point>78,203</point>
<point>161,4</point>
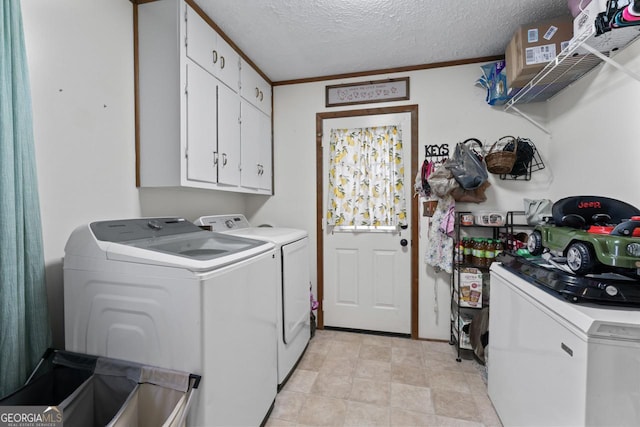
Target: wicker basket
<point>498,160</point>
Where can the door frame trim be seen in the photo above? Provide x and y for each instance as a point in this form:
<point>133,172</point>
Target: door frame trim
<point>320,117</point>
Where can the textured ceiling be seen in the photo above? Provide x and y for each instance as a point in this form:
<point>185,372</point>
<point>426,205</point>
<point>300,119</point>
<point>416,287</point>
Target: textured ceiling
<point>297,39</point>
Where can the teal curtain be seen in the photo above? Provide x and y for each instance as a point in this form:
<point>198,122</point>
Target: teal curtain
<point>24,320</point>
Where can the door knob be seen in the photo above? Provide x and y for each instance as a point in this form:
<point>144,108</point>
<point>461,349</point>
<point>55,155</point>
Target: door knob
<point>404,242</point>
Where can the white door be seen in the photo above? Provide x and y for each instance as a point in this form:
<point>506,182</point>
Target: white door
<point>367,275</point>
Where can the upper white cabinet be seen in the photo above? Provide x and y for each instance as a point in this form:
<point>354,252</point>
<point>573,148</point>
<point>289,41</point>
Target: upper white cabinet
<point>190,121</point>
<point>256,148</point>
<point>206,48</point>
<point>254,88</point>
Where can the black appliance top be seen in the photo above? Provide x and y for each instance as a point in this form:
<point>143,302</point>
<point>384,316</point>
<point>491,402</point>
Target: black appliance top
<point>599,289</point>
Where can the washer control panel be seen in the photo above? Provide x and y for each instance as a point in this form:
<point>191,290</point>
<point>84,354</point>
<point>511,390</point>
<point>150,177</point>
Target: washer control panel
<point>223,222</point>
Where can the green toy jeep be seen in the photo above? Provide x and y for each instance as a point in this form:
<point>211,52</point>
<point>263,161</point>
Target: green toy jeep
<point>595,234</point>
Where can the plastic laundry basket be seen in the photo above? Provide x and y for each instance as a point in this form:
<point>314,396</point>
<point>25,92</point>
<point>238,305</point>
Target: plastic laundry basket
<point>99,391</point>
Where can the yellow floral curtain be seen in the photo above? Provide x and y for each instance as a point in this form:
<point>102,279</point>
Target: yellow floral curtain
<point>366,177</point>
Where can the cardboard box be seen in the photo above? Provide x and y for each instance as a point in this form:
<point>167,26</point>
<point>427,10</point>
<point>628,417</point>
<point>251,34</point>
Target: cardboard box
<point>470,287</point>
<point>533,46</point>
<point>585,21</point>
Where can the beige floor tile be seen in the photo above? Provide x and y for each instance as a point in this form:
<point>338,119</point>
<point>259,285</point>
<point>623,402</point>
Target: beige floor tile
<point>311,361</point>
<point>375,352</point>
<point>348,337</point>
<point>437,347</point>
<point>364,415</point>
<point>447,380</point>
<point>476,383</point>
<point>340,349</point>
<point>338,366</point>
<point>441,421</point>
<point>287,405</point>
<point>373,370</point>
<point>405,342</point>
<point>319,345</point>
<point>322,411</point>
<point>411,398</point>
<point>301,381</point>
<point>441,361</point>
<point>488,414</point>
<point>405,418</point>
<point>380,340</point>
<point>410,356</point>
<point>453,404</point>
<point>338,387</point>
<point>369,391</point>
<point>406,374</point>
<point>275,422</point>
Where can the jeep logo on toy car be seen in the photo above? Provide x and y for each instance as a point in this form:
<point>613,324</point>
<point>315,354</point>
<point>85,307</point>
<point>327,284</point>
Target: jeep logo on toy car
<point>589,205</point>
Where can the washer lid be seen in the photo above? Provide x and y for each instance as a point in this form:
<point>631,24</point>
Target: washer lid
<point>172,242</point>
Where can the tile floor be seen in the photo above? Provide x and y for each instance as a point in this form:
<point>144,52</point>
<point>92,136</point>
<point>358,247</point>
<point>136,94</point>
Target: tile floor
<point>351,379</point>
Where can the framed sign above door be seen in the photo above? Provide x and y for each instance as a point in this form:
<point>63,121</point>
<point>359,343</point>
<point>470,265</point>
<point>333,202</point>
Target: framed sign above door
<point>367,92</point>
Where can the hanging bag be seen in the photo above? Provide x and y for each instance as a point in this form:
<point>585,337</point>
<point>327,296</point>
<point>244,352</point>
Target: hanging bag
<point>537,211</point>
<point>467,165</point>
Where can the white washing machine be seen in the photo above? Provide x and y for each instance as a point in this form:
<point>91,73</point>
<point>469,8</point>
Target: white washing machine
<point>293,300</point>
<point>164,292</point>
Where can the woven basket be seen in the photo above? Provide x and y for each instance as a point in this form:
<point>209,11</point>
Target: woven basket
<point>498,160</point>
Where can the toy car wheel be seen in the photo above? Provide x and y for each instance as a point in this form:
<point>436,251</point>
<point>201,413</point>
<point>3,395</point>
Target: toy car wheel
<point>534,243</point>
<point>580,259</point>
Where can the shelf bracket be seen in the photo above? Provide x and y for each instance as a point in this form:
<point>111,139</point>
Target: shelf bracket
<point>610,61</point>
<point>530,120</point>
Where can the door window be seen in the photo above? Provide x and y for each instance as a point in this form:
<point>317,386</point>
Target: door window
<point>366,179</point>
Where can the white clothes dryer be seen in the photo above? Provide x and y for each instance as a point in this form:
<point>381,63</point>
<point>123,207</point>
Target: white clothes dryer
<point>293,299</point>
<point>164,292</point>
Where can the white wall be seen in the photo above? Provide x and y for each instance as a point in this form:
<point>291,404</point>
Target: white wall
<point>81,67</point>
<point>595,147</point>
<point>451,109</point>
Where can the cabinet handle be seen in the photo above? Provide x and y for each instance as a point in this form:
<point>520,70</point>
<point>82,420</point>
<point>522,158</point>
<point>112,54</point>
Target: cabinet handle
<point>261,96</point>
<point>215,56</point>
<point>257,93</point>
<point>215,158</point>
<point>221,62</point>
<point>224,159</point>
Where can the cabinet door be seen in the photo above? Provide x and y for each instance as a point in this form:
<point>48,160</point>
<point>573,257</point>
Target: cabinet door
<point>249,137</point>
<point>228,136</point>
<point>254,88</point>
<point>256,148</point>
<point>228,65</point>
<point>201,125</point>
<point>201,42</point>
<point>265,152</point>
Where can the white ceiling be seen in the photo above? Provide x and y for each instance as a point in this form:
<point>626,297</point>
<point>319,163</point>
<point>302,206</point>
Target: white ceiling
<point>298,39</point>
